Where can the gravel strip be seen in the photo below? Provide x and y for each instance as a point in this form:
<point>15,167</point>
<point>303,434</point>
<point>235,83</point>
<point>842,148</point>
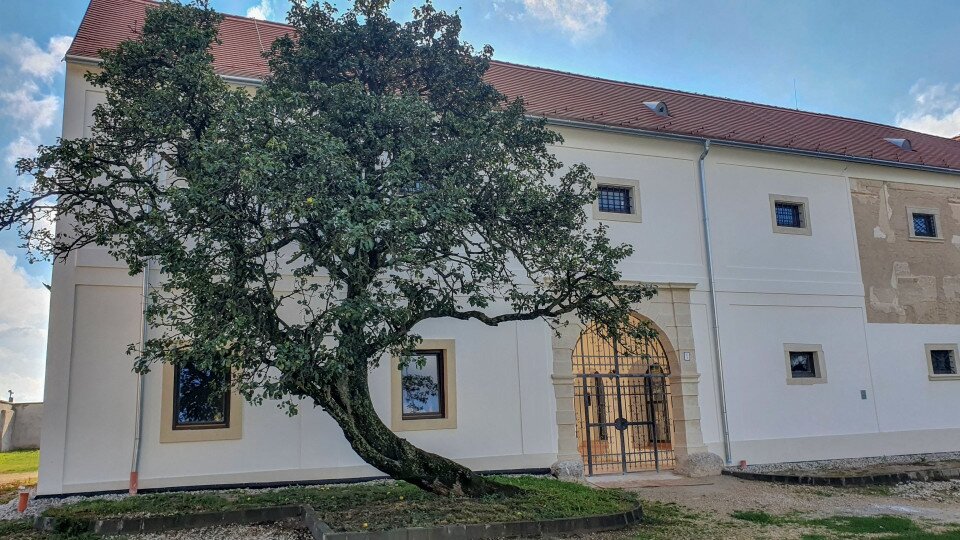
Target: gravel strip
<point>849,463</point>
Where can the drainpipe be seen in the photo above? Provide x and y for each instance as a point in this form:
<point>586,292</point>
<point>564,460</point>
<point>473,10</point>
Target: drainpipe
<point>138,413</point>
<point>721,391</point>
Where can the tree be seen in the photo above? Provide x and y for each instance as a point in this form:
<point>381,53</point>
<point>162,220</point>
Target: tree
<point>374,181</point>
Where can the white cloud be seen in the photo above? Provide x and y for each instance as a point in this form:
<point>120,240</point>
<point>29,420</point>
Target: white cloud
<point>581,19</point>
<point>30,58</point>
<point>935,109</point>
<point>262,11</point>
<point>24,308</point>
<point>31,113</point>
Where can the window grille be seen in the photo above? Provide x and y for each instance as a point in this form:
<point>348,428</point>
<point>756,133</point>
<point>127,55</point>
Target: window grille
<point>789,215</point>
<point>615,199</point>
<point>925,225</point>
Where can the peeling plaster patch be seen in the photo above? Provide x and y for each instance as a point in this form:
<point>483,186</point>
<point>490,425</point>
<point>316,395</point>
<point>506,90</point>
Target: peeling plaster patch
<point>955,241</point>
<point>954,209</point>
<point>886,301</point>
<point>878,233</point>
<point>951,287</point>
<point>886,213</point>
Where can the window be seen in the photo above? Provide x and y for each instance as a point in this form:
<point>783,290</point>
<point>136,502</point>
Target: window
<point>198,405</point>
<point>924,224</point>
<point>424,388</point>
<point>201,398</point>
<point>617,200</point>
<point>421,385</point>
<point>804,364</point>
<point>942,361</point>
<point>789,214</point>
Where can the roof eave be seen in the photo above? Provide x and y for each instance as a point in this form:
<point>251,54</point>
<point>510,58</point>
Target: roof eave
<point>86,60</point>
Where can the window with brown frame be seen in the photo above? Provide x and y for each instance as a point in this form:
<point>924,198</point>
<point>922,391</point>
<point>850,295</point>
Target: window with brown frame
<point>423,392</point>
<point>201,398</point>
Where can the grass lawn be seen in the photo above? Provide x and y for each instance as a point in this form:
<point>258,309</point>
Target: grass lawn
<point>378,506</point>
<point>19,461</point>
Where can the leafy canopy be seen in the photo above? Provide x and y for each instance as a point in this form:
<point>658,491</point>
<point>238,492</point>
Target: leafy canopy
<point>303,229</point>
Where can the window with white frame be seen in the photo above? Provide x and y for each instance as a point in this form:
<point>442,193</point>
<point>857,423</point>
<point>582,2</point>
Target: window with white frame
<point>790,215</point>
<point>805,363</point>
<point>618,199</point>
<point>942,361</point>
<point>924,224</point>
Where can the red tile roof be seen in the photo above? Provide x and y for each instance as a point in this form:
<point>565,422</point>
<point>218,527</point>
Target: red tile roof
<point>577,98</point>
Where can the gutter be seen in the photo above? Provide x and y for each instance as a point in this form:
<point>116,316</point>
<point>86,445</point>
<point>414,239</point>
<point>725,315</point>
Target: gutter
<point>715,328</point>
<point>141,384</point>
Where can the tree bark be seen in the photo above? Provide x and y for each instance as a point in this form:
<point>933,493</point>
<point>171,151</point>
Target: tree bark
<point>350,405</point>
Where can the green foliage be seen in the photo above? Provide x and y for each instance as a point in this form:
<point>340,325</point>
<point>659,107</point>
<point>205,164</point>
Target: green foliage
<point>19,461</point>
<point>379,506</point>
<point>859,525</point>
<point>373,182</point>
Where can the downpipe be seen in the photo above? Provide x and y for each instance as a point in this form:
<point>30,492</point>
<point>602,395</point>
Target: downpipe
<point>721,388</point>
<point>138,412</point>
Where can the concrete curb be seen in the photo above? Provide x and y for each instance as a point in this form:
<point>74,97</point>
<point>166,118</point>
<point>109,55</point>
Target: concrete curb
<point>321,531</point>
<point>842,481</point>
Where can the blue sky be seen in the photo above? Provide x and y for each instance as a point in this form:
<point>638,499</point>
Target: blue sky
<point>883,61</point>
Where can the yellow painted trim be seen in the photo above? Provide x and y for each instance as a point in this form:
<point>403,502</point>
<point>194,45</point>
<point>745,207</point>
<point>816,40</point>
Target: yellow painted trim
<point>636,213</point>
<point>233,431</point>
<point>804,203</point>
<point>449,421</point>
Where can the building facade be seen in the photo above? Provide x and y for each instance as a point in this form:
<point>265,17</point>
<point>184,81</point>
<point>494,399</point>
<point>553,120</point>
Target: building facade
<point>808,308</point>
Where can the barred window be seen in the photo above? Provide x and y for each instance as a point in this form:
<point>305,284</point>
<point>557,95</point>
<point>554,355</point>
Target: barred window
<point>789,214</point>
<point>925,225</point>
<point>615,199</point>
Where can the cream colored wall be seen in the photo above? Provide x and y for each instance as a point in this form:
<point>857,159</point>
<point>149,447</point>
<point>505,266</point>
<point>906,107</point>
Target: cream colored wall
<point>772,289</point>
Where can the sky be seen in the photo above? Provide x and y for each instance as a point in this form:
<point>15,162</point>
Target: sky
<point>878,60</point>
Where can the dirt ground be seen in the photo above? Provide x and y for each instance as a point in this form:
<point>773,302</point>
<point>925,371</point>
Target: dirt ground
<point>768,510</point>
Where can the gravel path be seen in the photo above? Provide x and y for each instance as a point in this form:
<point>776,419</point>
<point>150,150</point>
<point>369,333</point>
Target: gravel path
<point>937,501</point>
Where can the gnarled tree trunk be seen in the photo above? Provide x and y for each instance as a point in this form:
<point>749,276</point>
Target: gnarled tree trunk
<point>349,404</point>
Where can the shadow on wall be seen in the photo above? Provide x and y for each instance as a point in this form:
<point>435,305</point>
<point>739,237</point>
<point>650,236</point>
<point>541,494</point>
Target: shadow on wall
<point>20,425</point>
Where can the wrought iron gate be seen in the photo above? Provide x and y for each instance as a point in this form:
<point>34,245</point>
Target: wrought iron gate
<point>622,396</point>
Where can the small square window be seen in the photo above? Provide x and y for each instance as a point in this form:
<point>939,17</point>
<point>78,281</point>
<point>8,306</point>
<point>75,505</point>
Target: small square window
<point>421,382</point>
<point>925,225</point>
<point>942,361</point>
<point>615,199</point>
<point>201,398</point>
<point>790,215</point>
<point>803,365</point>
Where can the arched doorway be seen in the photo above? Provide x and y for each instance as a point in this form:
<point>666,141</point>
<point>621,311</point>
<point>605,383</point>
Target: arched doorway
<point>622,404</point>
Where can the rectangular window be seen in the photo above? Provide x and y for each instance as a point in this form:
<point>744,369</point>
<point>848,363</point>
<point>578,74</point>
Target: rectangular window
<point>942,361</point>
<point>925,225</point>
<point>422,386</point>
<point>789,215</point>
<point>201,398</point>
<point>615,199</point>
<point>803,365</point>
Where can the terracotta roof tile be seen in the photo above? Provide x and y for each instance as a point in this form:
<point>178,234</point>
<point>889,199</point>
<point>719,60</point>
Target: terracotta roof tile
<point>567,96</point>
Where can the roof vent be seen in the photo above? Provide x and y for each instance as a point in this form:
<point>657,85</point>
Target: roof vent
<point>658,107</point>
<point>903,144</point>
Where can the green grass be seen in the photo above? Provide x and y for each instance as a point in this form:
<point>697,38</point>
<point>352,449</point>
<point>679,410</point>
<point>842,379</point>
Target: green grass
<point>885,527</point>
<point>378,506</point>
<point>19,461</point>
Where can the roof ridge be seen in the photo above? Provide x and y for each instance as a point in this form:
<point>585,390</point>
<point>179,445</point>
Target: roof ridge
<point>225,15</point>
<point>712,97</point>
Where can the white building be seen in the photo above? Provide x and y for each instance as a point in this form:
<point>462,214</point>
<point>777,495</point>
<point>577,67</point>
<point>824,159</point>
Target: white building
<point>828,272</point>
